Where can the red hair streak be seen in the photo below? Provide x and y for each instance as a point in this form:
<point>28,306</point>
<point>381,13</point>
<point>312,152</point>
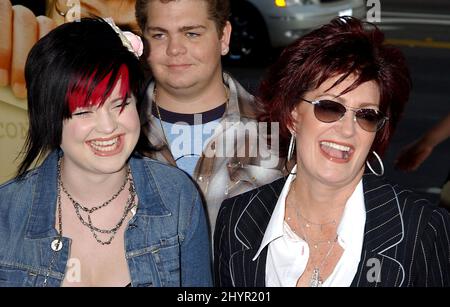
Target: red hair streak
<point>81,95</point>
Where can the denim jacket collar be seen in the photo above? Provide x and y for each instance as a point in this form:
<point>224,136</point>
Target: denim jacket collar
<point>43,201</point>
<point>42,218</point>
<point>150,201</point>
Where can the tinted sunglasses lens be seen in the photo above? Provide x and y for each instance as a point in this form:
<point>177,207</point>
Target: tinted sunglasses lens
<point>328,111</point>
<point>370,120</point>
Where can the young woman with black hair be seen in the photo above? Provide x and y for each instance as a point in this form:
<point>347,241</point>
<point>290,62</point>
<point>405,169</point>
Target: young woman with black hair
<point>96,212</point>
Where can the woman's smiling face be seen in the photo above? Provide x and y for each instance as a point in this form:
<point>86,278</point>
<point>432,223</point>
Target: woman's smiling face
<point>334,153</point>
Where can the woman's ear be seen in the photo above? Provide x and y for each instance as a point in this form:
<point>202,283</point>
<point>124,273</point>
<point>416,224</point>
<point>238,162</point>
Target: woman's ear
<point>295,115</point>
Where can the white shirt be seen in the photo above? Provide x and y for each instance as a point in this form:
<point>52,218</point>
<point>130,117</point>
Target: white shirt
<point>288,254</point>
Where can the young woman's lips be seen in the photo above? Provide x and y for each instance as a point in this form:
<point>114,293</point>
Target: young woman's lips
<point>336,151</point>
<point>107,147</point>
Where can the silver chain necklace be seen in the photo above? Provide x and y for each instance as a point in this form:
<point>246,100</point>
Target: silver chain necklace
<point>57,243</point>
<point>315,280</point>
<point>94,230</point>
<point>310,223</point>
<point>227,94</point>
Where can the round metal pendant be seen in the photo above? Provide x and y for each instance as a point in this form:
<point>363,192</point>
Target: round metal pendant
<point>57,245</point>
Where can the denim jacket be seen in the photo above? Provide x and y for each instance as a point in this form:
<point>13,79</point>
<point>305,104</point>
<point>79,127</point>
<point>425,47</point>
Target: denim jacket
<point>166,241</point>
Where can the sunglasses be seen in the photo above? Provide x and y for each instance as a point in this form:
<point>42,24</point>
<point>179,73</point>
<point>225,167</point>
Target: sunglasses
<point>329,111</point>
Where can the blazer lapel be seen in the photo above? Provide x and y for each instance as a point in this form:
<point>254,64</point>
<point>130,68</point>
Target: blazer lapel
<point>382,233</point>
<point>249,230</point>
<point>254,271</point>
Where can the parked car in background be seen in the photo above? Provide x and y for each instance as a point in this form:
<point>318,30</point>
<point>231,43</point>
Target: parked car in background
<point>259,25</point>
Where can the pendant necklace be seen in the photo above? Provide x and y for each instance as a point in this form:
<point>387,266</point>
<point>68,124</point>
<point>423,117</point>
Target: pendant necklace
<point>316,280</point>
<point>130,204</point>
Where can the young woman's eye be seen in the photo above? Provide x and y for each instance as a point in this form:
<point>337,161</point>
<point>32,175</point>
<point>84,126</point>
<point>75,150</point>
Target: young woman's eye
<point>81,113</point>
<point>120,106</point>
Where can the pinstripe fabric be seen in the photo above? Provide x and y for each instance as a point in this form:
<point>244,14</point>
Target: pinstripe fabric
<point>406,239</point>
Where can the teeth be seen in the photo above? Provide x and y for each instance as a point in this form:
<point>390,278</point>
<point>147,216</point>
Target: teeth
<point>336,146</point>
<point>104,145</point>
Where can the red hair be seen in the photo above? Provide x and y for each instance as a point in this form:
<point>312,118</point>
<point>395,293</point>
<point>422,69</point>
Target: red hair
<point>93,89</point>
<point>345,46</point>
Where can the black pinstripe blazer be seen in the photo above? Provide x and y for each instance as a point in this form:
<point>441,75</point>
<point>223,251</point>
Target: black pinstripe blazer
<point>406,239</point>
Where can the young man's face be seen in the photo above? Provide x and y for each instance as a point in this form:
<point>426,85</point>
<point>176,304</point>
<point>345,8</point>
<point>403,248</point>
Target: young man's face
<point>185,48</point>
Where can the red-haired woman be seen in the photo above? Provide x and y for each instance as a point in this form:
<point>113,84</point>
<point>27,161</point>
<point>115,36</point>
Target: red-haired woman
<point>338,92</point>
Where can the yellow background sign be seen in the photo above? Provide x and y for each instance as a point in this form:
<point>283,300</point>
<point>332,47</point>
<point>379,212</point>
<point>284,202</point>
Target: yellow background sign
<point>13,131</point>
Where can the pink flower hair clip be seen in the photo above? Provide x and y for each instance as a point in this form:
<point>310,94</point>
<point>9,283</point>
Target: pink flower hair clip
<point>130,40</point>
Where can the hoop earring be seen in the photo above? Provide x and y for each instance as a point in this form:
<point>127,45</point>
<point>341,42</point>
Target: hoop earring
<point>381,165</point>
<point>290,154</point>
<point>291,147</point>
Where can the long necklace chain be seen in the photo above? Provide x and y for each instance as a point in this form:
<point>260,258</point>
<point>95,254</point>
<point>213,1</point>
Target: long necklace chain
<point>78,206</point>
<point>316,280</point>
<point>94,230</point>
<point>309,223</point>
<point>227,93</point>
<point>166,140</point>
<point>57,244</point>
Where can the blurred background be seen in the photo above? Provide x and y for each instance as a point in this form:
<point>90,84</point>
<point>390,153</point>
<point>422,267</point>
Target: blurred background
<point>261,28</point>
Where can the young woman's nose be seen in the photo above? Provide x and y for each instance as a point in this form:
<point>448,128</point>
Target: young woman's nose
<point>106,121</point>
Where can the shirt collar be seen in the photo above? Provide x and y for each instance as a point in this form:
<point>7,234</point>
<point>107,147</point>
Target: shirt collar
<point>350,230</point>
<point>275,227</point>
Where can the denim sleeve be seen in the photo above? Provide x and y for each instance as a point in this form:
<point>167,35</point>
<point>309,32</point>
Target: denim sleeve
<point>196,249</point>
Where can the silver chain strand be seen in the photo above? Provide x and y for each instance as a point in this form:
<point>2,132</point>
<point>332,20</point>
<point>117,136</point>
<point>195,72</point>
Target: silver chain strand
<point>128,207</point>
<point>315,280</point>
<point>106,203</point>
<point>113,231</point>
<point>166,140</point>
<point>309,223</point>
<point>227,94</point>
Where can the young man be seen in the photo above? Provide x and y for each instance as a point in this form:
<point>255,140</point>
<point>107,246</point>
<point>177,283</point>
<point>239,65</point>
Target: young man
<point>201,118</point>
